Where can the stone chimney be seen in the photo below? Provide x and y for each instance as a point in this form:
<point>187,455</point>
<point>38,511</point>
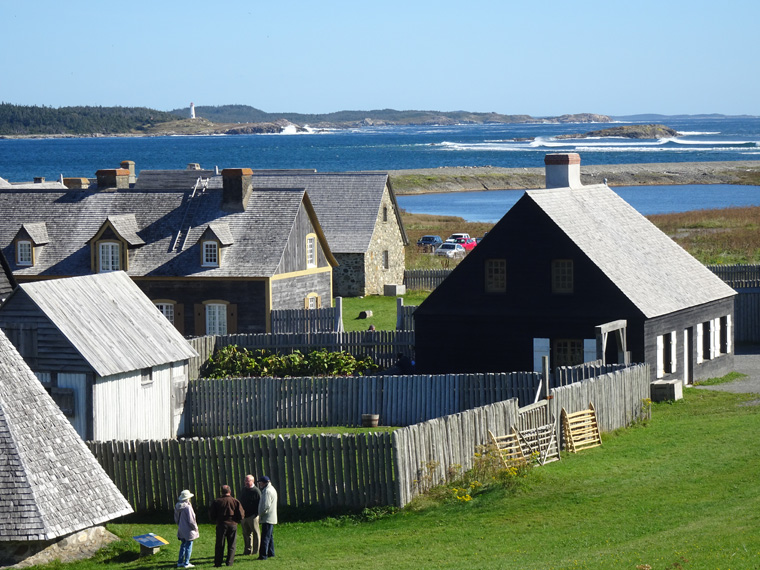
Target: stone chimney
<point>39,179</point>
<point>563,170</point>
<point>238,185</point>
<point>117,178</point>
<point>193,166</point>
<point>76,183</point>
<point>130,165</point>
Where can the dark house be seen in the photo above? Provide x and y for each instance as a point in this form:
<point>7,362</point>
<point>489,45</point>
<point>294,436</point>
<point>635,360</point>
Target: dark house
<point>214,254</point>
<point>561,262</point>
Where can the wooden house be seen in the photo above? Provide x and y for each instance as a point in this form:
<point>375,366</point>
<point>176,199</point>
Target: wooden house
<point>214,254</point>
<point>45,468</point>
<point>112,361</point>
<point>561,262</point>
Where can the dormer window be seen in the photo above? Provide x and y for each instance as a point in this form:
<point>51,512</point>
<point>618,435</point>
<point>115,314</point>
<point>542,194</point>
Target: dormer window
<point>210,253</point>
<point>311,250</point>
<point>24,253</point>
<point>109,253</point>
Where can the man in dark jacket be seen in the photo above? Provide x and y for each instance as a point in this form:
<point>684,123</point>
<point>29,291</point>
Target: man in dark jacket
<point>250,495</point>
<point>226,511</point>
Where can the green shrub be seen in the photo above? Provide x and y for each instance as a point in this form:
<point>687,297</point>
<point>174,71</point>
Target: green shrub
<point>235,362</point>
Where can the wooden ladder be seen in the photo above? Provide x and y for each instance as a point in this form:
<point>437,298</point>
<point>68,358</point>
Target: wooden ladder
<point>581,430</point>
<point>509,447</point>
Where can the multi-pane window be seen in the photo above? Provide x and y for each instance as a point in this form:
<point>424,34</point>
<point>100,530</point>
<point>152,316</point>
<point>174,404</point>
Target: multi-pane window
<point>109,256</point>
<point>210,254</point>
<point>312,302</point>
<point>167,310</point>
<point>311,251</point>
<point>562,276</point>
<point>216,319</point>
<point>496,275</point>
<point>568,352</point>
<point>24,253</point>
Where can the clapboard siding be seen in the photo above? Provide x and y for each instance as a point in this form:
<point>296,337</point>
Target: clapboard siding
<point>291,293</point>
<point>294,255</point>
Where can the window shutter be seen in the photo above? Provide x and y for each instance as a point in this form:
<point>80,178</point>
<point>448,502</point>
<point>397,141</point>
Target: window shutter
<point>660,356</point>
<point>232,325</point>
<point>541,347</point>
<point>179,317</point>
<point>729,334</point>
<point>200,319</point>
<point>700,344</point>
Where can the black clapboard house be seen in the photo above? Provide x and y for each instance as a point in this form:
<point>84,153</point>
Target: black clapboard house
<point>562,261</point>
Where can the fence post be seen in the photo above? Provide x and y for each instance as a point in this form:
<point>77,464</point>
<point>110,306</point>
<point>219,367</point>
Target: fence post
<point>338,327</point>
<point>399,313</point>
<point>545,373</point>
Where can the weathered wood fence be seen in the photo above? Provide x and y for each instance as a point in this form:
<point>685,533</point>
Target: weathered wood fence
<point>383,346</point>
<point>357,470</point>
<point>425,279</point>
<point>328,319</point>
<point>241,405</point>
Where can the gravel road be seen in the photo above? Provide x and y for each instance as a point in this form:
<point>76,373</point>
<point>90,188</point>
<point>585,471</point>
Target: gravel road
<point>746,361</point>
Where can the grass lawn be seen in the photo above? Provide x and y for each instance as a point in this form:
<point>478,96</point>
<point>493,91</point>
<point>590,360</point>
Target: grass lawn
<point>383,310</point>
<point>681,492</point>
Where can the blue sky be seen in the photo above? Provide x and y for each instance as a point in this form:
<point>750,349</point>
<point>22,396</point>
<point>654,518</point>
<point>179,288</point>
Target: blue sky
<point>539,58</point>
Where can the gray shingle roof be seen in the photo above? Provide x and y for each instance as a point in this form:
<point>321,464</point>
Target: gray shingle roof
<point>38,232</point>
<point>110,322</point>
<point>259,234</point>
<point>45,467</point>
<point>7,280</point>
<point>346,203</point>
<point>126,225</point>
<point>654,272</point>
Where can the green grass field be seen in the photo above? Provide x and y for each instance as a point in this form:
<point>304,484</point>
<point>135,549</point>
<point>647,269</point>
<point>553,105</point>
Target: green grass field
<point>681,492</point>
<point>383,310</point>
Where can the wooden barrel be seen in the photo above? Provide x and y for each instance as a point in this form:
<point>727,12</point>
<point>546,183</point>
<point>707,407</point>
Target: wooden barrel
<point>370,420</point>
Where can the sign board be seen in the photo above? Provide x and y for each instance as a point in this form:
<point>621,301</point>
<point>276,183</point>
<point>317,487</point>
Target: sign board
<point>150,540</point>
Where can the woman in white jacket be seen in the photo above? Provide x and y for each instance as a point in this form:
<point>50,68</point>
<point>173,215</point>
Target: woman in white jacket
<point>187,528</point>
<point>267,517</point>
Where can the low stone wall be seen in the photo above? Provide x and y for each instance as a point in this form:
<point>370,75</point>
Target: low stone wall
<point>78,546</point>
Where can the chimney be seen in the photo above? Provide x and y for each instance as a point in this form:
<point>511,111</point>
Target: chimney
<point>130,165</point>
<point>563,170</point>
<point>117,178</point>
<point>76,183</point>
<point>39,179</point>
<point>193,166</point>
<point>238,185</point>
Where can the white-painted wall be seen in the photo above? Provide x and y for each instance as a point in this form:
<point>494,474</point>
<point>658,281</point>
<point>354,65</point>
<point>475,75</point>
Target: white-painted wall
<point>124,408</point>
<point>77,382</point>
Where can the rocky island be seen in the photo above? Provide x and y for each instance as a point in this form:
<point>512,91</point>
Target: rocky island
<point>627,132</point>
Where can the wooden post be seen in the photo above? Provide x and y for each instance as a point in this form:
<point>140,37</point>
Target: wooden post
<point>399,313</point>
<point>545,375</point>
<point>338,314</point>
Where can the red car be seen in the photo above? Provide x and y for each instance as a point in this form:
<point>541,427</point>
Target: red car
<point>467,243</point>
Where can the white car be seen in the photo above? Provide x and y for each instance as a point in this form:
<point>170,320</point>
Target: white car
<point>449,249</point>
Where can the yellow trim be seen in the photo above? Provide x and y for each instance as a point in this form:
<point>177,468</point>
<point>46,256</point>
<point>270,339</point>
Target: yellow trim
<point>123,255</point>
<point>215,302</point>
<point>163,301</point>
<point>312,295</point>
<point>313,236</point>
<point>312,271</point>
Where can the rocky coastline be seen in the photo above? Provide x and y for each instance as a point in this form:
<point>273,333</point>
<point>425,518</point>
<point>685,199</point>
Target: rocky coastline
<point>470,179</point>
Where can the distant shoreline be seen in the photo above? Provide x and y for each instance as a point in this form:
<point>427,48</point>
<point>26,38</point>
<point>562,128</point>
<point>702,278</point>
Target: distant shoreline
<point>470,179</point>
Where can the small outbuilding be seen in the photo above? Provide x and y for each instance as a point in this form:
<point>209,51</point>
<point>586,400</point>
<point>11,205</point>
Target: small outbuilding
<point>566,264</point>
<point>51,486</point>
<point>115,365</point>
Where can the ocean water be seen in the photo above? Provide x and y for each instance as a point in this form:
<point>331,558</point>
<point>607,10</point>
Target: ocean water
<point>381,148</point>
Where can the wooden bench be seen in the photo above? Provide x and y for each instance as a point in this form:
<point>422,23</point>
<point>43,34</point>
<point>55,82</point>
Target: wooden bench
<point>581,430</point>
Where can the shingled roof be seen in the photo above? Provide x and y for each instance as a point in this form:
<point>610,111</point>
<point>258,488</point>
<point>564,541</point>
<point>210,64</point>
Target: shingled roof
<point>653,271</point>
<point>45,467</point>
<point>169,222</point>
<point>109,321</point>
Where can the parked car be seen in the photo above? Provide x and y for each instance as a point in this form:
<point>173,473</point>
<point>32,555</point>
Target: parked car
<point>458,236</point>
<point>449,249</point>
<point>467,243</point>
<point>430,241</point>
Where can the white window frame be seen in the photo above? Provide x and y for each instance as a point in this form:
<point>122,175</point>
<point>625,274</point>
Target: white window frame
<point>167,310</point>
<point>667,365</point>
<point>496,276</point>
<point>109,256</point>
<point>216,319</point>
<point>24,252</point>
<point>311,251</point>
<point>210,253</point>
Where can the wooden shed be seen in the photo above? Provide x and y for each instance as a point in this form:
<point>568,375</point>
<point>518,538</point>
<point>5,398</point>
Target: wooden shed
<point>114,364</point>
<point>561,262</point>
<point>50,484</point>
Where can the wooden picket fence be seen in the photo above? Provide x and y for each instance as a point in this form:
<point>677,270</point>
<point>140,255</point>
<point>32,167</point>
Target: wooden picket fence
<point>242,405</point>
<point>738,275</point>
<point>351,470</point>
<point>383,346</point>
<point>425,279</point>
<point>565,375</point>
<point>328,319</point>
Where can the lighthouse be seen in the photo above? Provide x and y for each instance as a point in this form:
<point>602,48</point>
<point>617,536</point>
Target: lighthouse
<point>192,110</point>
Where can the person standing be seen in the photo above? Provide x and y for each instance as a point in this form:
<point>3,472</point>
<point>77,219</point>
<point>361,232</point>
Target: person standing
<point>267,517</point>
<point>187,528</point>
<point>226,511</point>
<point>250,495</point>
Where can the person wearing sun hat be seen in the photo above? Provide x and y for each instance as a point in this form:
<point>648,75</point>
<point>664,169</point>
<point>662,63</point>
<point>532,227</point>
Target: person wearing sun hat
<point>187,528</point>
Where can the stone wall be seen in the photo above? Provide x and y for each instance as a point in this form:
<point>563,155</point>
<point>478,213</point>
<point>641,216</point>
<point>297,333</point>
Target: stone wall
<point>78,546</point>
<point>386,237</point>
<point>348,277</point>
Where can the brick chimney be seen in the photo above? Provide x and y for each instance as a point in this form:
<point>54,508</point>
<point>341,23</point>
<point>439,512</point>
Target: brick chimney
<point>130,165</point>
<point>238,185</point>
<point>113,178</point>
<point>563,170</point>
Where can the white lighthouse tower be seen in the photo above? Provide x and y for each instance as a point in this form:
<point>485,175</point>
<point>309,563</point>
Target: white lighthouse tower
<point>192,110</point>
